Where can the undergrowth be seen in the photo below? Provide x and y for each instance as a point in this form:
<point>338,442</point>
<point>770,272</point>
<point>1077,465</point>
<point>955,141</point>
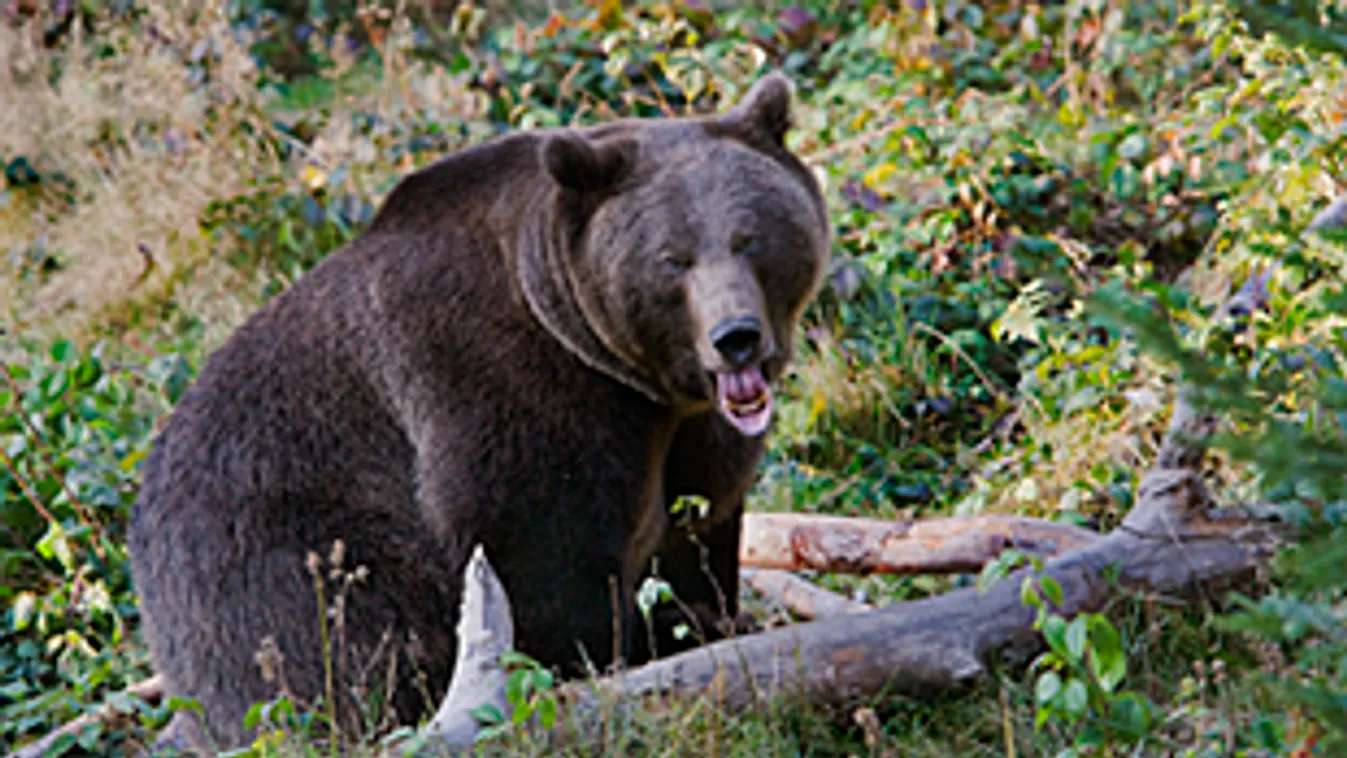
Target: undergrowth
<point>1015,189</point>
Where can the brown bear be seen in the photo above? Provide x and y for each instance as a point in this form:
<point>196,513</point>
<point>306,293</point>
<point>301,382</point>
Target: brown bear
<point>539,344</point>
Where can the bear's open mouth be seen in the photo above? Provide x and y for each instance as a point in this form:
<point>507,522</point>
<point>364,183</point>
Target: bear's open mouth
<point>745,400</point>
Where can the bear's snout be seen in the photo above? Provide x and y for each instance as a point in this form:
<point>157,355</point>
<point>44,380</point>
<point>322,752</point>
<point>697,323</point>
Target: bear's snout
<point>737,339</point>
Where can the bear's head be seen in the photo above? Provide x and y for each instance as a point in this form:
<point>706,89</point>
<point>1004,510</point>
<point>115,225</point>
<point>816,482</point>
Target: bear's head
<point>683,253</point>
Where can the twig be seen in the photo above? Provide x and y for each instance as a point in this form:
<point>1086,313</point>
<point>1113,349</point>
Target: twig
<point>150,690</point>
<point>959,352</point>
<point>26,488</point>
<point>855,142</point>
<point>43,445</point>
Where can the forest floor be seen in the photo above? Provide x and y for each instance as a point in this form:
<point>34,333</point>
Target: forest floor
<point>989,169</point>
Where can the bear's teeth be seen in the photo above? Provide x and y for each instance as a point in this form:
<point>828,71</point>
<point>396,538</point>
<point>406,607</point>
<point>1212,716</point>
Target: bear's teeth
<point>752,406</point>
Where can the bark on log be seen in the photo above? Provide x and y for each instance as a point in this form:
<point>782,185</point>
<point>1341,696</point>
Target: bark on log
<point>800,596</point>
<point>837,544</point>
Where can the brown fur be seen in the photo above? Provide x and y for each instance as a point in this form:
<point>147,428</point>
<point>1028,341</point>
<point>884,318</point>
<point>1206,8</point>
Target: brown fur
<point>514,353</point>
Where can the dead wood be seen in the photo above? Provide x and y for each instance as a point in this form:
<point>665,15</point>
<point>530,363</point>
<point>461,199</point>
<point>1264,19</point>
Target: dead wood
<point>842,545</point>
<point>942,643</point>
<point>800,596</point>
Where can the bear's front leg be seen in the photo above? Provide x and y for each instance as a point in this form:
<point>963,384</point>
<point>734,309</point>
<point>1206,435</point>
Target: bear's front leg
<point>557,515</point>
<point>699,556</point>
<point>572,614</point>
<point>703,570</point>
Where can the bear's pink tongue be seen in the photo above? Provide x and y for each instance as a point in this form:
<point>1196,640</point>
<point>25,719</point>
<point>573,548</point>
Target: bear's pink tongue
<point>745,400</point>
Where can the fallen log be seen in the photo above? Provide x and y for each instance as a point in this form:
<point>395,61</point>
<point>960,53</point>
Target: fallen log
<point>941,643</point>
<point>1171,542</point>
<point>800,596</point>
<point>843,545</point>
<point>772,545</point>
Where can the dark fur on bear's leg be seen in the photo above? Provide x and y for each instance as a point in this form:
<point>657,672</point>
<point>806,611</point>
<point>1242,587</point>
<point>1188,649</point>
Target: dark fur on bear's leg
<point>699,557</point>
<point>703,572</point>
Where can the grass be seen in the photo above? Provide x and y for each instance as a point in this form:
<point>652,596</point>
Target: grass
<point>984,176</point>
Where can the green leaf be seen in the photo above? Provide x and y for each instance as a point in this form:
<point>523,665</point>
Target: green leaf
<point>1051,589</point>
<point>1132,147</point>
<point>521,713</point>
<point>514,686</point>
<point>279,710</point>
<point>547,712</point>
<point>55,544</point>
<point>60,746</point>
<point>55,385</point>
<point>62,351</point>
<point>543,679</point>
<point>1077,639</point>
<point>1124,181</point>
<point>1093,737</point>
<point>1029,594</point>
<point>1054,633</point>
<point>697,504</point>
<point>998,568</point>
<point>515,659</point>
<point>1108,662</point>
<point>179,703</point>
<point>254,715</point>
<point>1075,699</point>
<point>651,593</point>
<point>487,714</point>
<point>90,735</point>
<point>25,605</point>
<point>1047,689</point>
<point>1132,713</point>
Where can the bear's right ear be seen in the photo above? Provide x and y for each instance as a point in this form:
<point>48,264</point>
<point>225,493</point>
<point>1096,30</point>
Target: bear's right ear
<point>766,107</point>
<point>576,163</point>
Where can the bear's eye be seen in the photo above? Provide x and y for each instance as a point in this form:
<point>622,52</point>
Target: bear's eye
<point>742,244</point>
<point>677,262</point>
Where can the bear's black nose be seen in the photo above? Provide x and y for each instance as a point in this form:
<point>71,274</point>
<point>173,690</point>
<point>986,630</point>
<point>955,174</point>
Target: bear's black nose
<point>737,338</point>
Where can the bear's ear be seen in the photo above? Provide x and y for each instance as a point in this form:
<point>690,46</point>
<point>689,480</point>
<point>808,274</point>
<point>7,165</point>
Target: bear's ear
<point>576,163</point>
<point>766,107</point>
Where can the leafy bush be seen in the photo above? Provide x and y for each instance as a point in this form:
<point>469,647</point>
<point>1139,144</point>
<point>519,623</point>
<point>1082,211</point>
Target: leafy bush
<point>74,429</point>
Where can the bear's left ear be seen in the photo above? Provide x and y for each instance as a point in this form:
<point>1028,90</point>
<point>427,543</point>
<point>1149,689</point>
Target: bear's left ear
<point>766,107</point>
<point>587,166</point>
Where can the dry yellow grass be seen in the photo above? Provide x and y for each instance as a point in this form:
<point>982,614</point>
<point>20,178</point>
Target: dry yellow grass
<point>138,197</point>
<point>149,149</point>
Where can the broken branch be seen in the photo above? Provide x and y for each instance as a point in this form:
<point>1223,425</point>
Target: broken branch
<point>837,544</point>
<point>800,596</point>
